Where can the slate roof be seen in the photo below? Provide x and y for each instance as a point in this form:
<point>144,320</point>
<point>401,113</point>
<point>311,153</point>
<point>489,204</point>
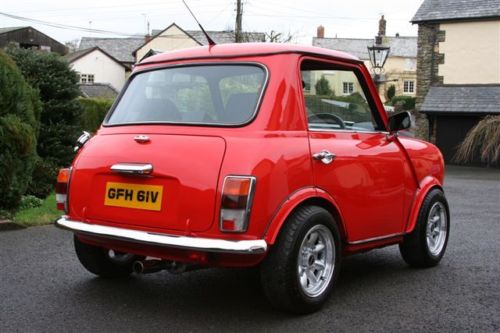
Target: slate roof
<point>122,48</point>
<point>400,46</point>
<point>221,37</point>
<point>98,90</point>
<point>119,48</point>
<point>463,99</point>
<point>81,53</point>
<point>441,10</point>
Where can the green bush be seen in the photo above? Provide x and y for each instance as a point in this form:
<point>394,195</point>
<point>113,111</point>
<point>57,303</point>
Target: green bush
<point>403,103</point>
<point>94,111</point>
<point>58,88</point>
<point>43,179</point>
<point>19,110</point>
<point>30,201</point>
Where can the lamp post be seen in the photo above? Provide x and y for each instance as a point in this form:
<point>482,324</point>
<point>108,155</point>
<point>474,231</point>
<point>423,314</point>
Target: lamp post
<point>378,56</point>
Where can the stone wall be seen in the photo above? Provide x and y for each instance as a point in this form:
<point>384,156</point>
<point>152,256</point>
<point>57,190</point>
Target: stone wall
<point>428,61</point>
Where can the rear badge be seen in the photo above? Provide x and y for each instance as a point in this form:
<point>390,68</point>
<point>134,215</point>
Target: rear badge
<point>142,138</point>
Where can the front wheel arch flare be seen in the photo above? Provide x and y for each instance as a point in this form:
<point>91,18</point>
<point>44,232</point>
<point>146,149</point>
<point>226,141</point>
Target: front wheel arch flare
<point>426,186</point>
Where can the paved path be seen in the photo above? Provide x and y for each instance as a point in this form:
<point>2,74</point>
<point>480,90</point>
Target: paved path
<point>43,288</point>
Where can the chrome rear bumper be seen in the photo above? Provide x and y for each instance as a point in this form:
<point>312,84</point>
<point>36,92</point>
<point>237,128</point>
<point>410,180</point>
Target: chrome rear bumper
<point>157,239</point>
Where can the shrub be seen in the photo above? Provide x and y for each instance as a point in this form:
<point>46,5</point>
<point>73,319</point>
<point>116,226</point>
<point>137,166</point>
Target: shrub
<point>403,103</point>
<point>94,111</point>
<point>391,92</point>
<point>323,87</point>
<point>30,201</point>
<point>19,109</point>
<point>58,88</point>
<point>43,179</point>
<point>483,140</point>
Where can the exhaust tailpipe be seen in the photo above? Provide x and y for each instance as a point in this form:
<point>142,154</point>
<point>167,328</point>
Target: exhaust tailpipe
<point>153,266</point>
<point>148,266</point>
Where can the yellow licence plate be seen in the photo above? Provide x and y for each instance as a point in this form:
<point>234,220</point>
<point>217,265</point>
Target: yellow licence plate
<point>147,197</point>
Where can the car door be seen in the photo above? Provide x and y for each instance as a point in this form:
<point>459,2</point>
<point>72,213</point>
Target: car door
<point>353,158</point>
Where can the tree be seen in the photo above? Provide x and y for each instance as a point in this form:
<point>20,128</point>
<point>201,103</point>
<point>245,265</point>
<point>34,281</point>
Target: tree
<point>278,37</point>
<point>19,113</point>
<point>57,84</point>
<point>72,45</point>
<point>323,87</point>
<point>60,116</point>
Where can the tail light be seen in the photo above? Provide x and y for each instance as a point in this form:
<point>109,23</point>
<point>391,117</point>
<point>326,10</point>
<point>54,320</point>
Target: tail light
<point>237,195</point>
<point>62,189</point>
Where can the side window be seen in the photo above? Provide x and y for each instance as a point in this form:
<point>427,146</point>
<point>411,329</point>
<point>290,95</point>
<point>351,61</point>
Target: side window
<point>335,99</point>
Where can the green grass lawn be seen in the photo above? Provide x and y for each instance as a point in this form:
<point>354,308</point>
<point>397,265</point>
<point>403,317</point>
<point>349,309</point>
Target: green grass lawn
<point>45,214</point>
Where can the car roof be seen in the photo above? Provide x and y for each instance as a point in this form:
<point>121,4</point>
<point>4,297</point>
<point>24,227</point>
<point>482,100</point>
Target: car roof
<point>245,50</point>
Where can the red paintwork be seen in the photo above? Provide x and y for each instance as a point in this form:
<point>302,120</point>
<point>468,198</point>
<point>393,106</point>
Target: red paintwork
<point>374,188</point>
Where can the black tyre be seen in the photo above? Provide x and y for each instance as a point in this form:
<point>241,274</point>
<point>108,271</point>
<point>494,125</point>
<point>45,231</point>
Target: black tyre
<point>426,244</point>
<point>302,267</point>
<point>104,262</point>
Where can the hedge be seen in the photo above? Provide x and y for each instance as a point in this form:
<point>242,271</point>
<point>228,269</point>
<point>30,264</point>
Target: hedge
<point>94,111</point>
<point>403,103</point>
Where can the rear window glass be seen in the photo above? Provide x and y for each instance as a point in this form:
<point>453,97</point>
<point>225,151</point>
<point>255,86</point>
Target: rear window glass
<point>206,95</point>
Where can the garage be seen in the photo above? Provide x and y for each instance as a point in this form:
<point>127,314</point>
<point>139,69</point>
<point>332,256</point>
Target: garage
<point>453,110</point>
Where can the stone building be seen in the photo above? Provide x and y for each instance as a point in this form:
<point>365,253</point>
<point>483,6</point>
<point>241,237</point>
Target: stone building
<point>400,67</point>
<point>458,67</point>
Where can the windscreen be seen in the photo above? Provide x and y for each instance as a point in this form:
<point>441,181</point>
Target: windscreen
<point>203,94</point>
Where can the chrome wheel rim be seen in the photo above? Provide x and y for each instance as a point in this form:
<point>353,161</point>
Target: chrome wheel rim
<point>437,228</point>
<point>120,257</point>
<point>316,261</point>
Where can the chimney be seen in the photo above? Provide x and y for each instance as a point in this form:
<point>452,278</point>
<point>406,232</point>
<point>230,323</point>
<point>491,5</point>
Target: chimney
<point>147,38</point>
<point>381,26</point>
<point>320,32</point>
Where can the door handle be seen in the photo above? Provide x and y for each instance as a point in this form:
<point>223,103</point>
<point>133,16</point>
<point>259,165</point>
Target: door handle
<point>133,168</point>
<point>324,156</point>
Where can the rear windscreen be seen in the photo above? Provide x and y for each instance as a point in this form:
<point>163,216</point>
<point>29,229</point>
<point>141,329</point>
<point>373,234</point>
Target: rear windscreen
<point>206,95</point>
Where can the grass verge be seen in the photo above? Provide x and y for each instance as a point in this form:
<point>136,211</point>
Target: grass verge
<point>45,214</point>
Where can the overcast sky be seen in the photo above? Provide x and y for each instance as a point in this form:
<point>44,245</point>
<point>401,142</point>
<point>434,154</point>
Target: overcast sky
<point>352,18</point>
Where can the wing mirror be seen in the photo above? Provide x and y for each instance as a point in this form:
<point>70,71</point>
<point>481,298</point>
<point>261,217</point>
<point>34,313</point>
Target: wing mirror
<point>399,121</point>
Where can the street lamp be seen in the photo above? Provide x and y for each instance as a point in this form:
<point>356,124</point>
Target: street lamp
<point>378,56</point>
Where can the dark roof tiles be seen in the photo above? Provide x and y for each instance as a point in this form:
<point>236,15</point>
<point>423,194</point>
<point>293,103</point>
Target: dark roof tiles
<point>98,90</point>
<point>442,10</point>
<point>463,99</point>
<point>400,46</point>
<point>119,48</point>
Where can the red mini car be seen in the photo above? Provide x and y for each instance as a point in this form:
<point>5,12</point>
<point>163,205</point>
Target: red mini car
<point>277,156</point>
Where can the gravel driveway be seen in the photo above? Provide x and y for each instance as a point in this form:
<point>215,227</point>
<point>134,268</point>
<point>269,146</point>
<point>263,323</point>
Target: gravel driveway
<point>43,287</point>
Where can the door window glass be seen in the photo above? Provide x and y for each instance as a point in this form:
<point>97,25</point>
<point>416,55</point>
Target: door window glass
<point>335,99</point>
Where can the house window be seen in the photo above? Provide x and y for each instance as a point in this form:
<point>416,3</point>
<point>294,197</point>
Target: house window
<point>348,88</point>
<point>409,86</point>
<point>87,78</point>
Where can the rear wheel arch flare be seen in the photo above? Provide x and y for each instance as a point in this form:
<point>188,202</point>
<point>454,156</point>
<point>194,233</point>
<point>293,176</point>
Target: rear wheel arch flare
<point>272,234</point>
<point>323,203</point>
